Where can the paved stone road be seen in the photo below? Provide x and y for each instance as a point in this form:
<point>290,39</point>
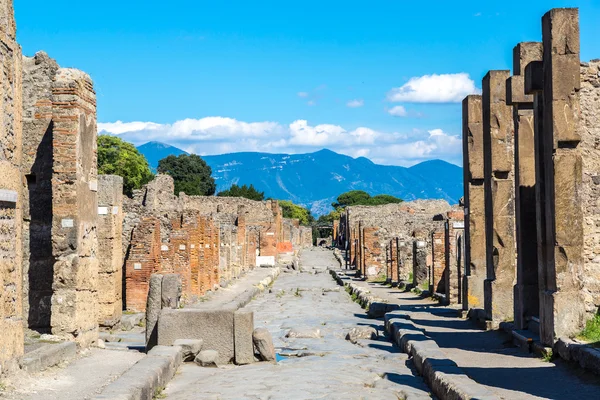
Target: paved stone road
<point>331,368</point>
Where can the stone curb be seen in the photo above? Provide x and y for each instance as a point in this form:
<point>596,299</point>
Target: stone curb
<point>48,356</point>
<point>244,298</point>
<point>147,377</point>
<point>444,377</point>
<point>586,356</point>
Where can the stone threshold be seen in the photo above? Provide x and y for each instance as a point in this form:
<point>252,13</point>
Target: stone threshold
<point>442,375</point>
<point>48,356</point>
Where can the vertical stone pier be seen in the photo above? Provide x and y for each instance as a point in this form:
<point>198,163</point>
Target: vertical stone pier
<point>475,244</point>
<point>453,253</point>
<point>561,309</point>
<point>438,244</point>
<point>526,296</point>
<point>110,249</point>
<point>11,193</point>
<point>75,208</point>
<point>498,146</point>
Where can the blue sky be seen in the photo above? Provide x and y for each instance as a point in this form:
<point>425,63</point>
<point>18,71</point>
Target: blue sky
<point>354,76</point>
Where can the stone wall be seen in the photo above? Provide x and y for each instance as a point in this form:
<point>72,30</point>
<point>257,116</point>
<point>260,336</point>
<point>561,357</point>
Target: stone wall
<point>11,193</point>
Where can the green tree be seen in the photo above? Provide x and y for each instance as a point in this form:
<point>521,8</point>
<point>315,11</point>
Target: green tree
<point>117,157</point>
<point>191,174</point>
<point>249,192</point>
<point>362,198</point>
<point>291,210</point>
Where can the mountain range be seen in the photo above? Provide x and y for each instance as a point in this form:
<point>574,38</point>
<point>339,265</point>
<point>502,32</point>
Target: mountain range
<point>316,179</point>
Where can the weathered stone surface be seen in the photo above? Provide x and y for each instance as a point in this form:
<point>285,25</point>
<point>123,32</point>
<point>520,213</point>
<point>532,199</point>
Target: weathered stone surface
<point>153,307</point>
<point>362,332</point>
<point>214,327</point>
<point>498,131</point>
<point>264,344</point>
<point>128,321</point>
<point>171,290</point>
<point>190,348</point>
<point>208,358</point>
<point>243,327</point>
<point>304,333</point>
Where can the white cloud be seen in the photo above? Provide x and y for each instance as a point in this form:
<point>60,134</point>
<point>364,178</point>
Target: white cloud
<point>355,103</point>
<point>445,88</point>
<point>311,102</point>
<point>398,111</point>
<point>302,94</point>
<point>218,135</point>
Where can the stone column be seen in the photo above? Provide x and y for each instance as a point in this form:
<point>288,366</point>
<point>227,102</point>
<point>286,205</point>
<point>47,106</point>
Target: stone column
<point>453,277</point>
<point>561,309</point>
<point>11,192</point>
<point>475,246</point>
<point>498,144</point>
<point>526,297</point>
<point>110,249</point>
<point>420,268</point>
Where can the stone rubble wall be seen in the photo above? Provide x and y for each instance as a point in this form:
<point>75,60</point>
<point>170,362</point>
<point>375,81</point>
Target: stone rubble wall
<point>11,192</point>
<point>208,241</point>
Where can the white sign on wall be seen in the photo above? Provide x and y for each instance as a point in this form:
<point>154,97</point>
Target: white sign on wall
<point>137,266</point>
<point>67,223</point>
<point>182,247</point>
<point>164,247</point>
<point>102,210</point>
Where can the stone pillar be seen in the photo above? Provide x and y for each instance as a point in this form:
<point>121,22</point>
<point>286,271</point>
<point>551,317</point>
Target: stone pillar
<point>110,249</point>
<point>561,308</point>
<point>420,268</point>
<point>526,296</point>
<point>180,242</point>
<point>75,208</point>
<point>453,253</point>
<point>438,245</point>
<point>242,238</point>
<point>373,257</point>
<point>11,193</point>
<point>498,144</point>
<point>395,249</point>
<point>475,246</point>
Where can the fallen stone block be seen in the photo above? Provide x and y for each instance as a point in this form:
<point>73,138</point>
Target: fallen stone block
<point>129,321</point>
<point>264,344</point>
<point>190,348</point>
<point>243,322</point>
<point>207,359</point>
<point>379,309</point>
<point>304,333</point>
<point>363,332</point>
<point>48,356</point>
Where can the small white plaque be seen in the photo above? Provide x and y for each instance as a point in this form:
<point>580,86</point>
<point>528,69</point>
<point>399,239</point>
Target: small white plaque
<point>115,210</point>
<point>207,246</point>
<point>102,210</point>
<point>458,225</point>
<point>164,247</point>
<point>67,223</point>
<point>421,244</point>
<point>137,266</point>
<point>438,241</point>
<point>182,247</point>
<point>8,196</point>
<point>94,186</point>
<point>192,246</point>
<point>270,233</point>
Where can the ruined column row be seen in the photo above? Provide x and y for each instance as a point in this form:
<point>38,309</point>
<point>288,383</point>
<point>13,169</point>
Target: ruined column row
<point>536,214</point>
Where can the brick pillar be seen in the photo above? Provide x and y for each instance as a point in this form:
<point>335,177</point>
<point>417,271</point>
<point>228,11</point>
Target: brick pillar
<point>110,249</point>
<point>475,246</point>
<point>193,232</point>
<point>144,259</point>
<point>242,238</point>
<point>394,243</point>
<point>75,208</point>
<point>180,242</point>
<point>11,193</point>
<point>453,253</point>
<point>438,244</point>
<point>561,309</point>
<point>498,129</point>
<point>526,296</point>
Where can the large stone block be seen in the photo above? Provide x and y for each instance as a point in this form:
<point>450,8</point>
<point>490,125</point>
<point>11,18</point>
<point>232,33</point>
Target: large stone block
<point>215,328</point>
<point>243,328</point>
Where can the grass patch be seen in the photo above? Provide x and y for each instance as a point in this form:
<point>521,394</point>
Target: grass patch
<point>297,293</point>
<point>547,356</point>
<point>280,294</point>
<point>591,332</point>
<point>159,393</point>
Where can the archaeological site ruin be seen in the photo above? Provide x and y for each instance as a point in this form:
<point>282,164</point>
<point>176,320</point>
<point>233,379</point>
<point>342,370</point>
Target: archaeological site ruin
<point>157,281</point>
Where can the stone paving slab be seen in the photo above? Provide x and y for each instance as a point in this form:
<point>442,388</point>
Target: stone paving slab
<point>488,357</point>
<point>323,367</point>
